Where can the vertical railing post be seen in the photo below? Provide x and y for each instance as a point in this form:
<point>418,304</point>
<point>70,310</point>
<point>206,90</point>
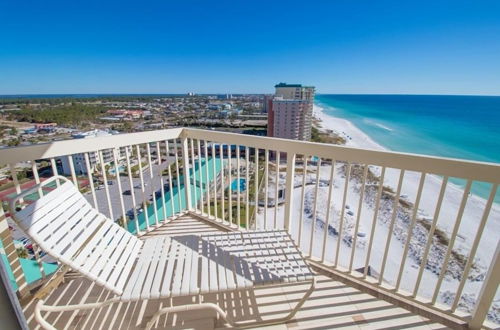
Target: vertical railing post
<point>11,254</point>
<point>487,293</point>
<point>187,181</point>
<point>290,174</point>
<point>11,314</point>
<point>13,173</point>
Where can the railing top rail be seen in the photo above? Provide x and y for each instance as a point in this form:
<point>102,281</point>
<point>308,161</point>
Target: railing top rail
<point>480,171</point>
<point>69,147</point>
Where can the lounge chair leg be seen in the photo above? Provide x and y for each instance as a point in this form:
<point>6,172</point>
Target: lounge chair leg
<point>40,306</point>
<point>227,318</point>
<point>184,308</point>
<point>39,318</point>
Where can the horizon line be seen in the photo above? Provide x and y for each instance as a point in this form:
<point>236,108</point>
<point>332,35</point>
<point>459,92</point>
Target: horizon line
<point>207,94</point>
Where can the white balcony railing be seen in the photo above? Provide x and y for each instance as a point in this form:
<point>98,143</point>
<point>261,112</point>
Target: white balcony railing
<point>406,226</point>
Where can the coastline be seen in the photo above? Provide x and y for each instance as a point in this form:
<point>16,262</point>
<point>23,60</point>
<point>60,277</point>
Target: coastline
<point>356,138</point>
<point>446,218</point>
<point>353,135</point>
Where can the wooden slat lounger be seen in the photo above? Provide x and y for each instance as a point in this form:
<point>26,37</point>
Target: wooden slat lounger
<point>70,230</point>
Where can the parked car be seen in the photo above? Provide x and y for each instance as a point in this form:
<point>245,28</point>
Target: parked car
<point>127,192</point>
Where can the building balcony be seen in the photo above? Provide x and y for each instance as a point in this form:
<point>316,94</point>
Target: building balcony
<point>395,240</point>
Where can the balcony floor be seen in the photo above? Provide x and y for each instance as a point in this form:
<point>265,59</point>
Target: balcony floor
<point>332,305</point>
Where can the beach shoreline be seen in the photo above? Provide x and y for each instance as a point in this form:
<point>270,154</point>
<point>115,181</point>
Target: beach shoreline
<point>447,217</point>
<point>353,135</point>
<point>356,138</point>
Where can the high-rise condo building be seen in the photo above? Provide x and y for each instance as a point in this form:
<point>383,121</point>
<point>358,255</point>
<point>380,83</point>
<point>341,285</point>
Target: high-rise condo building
<point>267,102</point>
<point>290,115</point>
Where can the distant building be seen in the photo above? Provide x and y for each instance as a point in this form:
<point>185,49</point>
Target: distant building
<point>126,114</point>
<point>224,96</point>
<point>290,112</point>
<point>267,103</point>
<point>45,126</point>
<point>268,108</point>
<point>110,118</point>
<point>90,134</point>
<point>294,92</point>
<point>214,106</point>
<point>224,114</point>
<point>79,163</point>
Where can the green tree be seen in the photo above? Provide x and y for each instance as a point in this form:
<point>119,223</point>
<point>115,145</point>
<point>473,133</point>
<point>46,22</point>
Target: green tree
<point>22,252</point>
<point>14,142</point>
<point>77,115</point>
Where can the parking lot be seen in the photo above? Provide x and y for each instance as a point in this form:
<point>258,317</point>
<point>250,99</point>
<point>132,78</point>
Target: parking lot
<point>151,185</point>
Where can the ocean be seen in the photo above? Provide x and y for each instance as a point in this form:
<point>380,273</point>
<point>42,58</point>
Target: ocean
<point>466,127</point>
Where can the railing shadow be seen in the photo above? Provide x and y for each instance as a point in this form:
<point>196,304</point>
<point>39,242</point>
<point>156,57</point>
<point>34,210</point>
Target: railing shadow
<point>233,258</point>
<point>331,306</point>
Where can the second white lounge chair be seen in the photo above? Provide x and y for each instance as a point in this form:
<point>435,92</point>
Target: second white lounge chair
<point>70,230</point>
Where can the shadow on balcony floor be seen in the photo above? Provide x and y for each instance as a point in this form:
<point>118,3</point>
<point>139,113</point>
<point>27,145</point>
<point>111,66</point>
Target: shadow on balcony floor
<point>332,305</point>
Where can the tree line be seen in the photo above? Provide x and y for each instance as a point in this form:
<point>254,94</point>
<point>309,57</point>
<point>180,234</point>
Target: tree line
<point>68,99</point>
<point>69,114</point>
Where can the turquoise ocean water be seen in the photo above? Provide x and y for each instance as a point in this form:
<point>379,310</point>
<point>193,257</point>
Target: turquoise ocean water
<point>466,127</point>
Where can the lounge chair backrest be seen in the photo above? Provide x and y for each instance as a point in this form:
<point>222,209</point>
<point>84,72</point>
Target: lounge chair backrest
<point>70,230</point>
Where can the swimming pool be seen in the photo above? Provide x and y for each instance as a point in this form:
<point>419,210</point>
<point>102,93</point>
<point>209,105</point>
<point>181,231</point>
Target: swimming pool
<point>179,195</point>
<point>241,187</point>
<point>121,168</point>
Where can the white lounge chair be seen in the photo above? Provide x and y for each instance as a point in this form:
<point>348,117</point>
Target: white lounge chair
<point>70,230</point>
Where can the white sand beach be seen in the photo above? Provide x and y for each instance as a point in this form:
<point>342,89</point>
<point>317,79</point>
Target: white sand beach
<point>353,135</point>
<point>446,221</point>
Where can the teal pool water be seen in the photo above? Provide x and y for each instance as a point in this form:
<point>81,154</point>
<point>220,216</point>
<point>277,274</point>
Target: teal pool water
<point>120,169</point>
<point>30,269</point>
<point>198,186</point>
<point>464,127</point>
<point>242,186</point>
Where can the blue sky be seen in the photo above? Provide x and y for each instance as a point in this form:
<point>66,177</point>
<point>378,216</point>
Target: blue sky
<point>417,47</point>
